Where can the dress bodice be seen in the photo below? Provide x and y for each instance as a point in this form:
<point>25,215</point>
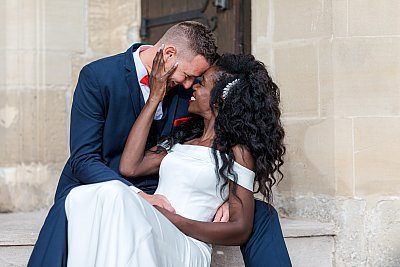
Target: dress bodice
<point>189,181</point>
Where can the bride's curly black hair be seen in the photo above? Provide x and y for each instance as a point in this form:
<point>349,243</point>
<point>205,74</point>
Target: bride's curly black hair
<point>248,115</point>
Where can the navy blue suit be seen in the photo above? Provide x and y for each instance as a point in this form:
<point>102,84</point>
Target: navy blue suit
<point>106,103</point>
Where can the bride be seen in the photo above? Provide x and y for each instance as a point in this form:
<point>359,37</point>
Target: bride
<point>231,145</point>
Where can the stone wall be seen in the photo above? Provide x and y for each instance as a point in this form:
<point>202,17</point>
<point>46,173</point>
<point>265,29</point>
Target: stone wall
<point>337,63</point>
<point>43,45</point>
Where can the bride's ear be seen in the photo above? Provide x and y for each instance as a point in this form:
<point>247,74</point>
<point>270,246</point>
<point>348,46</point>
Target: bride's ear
<point>215,106</point>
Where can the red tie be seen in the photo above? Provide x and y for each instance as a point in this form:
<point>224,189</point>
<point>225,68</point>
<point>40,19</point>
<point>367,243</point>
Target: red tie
<point>145,80</point>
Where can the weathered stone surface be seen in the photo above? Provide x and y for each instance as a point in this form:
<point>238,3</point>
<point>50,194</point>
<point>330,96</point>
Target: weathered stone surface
<point>35,69</point>
<point>43,47</point>
<point>352,243</point>
<point>304,252</point>
<point>310,153</point>
<point>18,233</point>
<point>384,238</point>
<point>65,25</point>
<point>326,86</point>
<point>377,156</point>
<point>311,251</point>
<point>33,124</point>
<point>344,158</point>
<point>302,19</point>
<point>124,24</point>
<point>2,29</point>
<point>28,187</point>
<point>296,70</point>
<point>99,25</point>
<point>14,256</point>
<point>374,18</point>
<point>261,12</point>
<point>227,256</point>
<point>366,76</point>
<point>10,116</point>
<point>56,25</point>
<point>20,28</point>
<point>296,228</point>
<point>366,230</point>
<point>113,25</point>
<point>321,208</point>
<point>20,229</point>
<point>339,18</point>
<point>345,146</point>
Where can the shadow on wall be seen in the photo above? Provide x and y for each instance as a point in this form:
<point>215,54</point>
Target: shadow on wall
<point>308,157</point>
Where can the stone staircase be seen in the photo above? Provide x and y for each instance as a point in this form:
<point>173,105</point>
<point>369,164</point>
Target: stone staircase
<point>309,243</point>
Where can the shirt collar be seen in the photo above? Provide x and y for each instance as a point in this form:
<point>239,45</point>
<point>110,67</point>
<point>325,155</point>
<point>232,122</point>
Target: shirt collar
<point>140,68</point>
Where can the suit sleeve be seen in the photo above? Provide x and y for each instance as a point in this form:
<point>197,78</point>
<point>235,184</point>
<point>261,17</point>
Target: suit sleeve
<point>88,116</point>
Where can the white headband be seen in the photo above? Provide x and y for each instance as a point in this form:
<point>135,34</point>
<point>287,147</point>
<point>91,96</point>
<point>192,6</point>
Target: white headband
<point>228,87</point>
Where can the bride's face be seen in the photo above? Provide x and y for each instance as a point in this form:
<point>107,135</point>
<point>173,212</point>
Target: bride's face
<point>200,101</point>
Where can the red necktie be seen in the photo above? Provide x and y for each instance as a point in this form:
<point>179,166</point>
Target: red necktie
<point>145,80</point>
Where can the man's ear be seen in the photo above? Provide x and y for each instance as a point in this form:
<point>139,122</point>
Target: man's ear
<point>169,52</point>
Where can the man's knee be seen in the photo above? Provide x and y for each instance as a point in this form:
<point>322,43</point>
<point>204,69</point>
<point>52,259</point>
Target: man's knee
<point>266,225</point>
<point>264,212</point>
<point>112,189</point>
<point>266,246</point>
<point>105,192</point>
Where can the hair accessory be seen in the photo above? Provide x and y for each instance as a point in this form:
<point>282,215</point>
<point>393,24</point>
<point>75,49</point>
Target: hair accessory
<point>165,144</point>
<point>228,87</point>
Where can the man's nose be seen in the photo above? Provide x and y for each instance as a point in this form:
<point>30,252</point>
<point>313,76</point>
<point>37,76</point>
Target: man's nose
<point>188,82</point>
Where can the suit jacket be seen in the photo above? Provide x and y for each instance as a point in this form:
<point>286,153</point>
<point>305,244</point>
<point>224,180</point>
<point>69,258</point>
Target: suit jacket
<point>107,101</point>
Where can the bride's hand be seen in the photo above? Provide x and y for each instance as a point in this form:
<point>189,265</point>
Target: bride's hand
<point>158,77</point>
<point>157,200</point>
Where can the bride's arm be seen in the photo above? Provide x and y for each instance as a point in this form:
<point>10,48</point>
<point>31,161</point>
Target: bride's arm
<point>241,207</point>
<point>135,161</point>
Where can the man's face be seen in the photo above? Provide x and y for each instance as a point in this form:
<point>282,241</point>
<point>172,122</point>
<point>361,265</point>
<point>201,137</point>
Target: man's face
<point>187,70</point>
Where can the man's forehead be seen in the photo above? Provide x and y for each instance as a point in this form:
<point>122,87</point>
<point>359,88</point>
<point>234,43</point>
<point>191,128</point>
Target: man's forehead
<point>197,66</point>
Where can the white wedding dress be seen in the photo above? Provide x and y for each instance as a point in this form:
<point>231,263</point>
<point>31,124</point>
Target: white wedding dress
<point>111,225</point>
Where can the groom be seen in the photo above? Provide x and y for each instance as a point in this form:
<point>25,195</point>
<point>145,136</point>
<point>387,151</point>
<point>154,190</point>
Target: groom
<point>108,98</point>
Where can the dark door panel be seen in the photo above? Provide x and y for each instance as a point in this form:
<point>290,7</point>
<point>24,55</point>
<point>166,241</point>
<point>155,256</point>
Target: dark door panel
<point>231,24</point>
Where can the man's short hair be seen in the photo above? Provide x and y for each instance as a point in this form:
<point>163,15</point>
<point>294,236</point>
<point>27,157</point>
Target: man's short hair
<point>195,37</point>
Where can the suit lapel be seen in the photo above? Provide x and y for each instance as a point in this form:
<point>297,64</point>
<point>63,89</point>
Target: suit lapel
<point>132,80</point>
<point>170,103</point>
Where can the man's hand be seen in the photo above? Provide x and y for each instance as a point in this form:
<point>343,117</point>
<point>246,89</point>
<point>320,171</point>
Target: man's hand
<point>157,200</point>
<point>222,214</point>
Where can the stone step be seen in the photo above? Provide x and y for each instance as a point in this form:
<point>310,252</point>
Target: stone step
<point>309,243</point>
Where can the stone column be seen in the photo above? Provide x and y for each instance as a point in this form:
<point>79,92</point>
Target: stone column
<point>38,38</point>
<point>337,63</point>
<point>43,46</point>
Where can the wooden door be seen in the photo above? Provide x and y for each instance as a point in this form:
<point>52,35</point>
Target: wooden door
<point>229,19</point>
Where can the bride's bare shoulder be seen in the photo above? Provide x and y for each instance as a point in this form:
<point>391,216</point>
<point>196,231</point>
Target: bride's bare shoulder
<point>243,156</point>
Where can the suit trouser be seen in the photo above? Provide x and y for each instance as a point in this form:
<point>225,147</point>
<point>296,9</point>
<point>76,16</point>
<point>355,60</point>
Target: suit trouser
<point>266,246</point>
<point>52,245</point>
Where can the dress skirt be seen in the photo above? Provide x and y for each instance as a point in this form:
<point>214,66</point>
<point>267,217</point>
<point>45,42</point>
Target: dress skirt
<point>111,225</point>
